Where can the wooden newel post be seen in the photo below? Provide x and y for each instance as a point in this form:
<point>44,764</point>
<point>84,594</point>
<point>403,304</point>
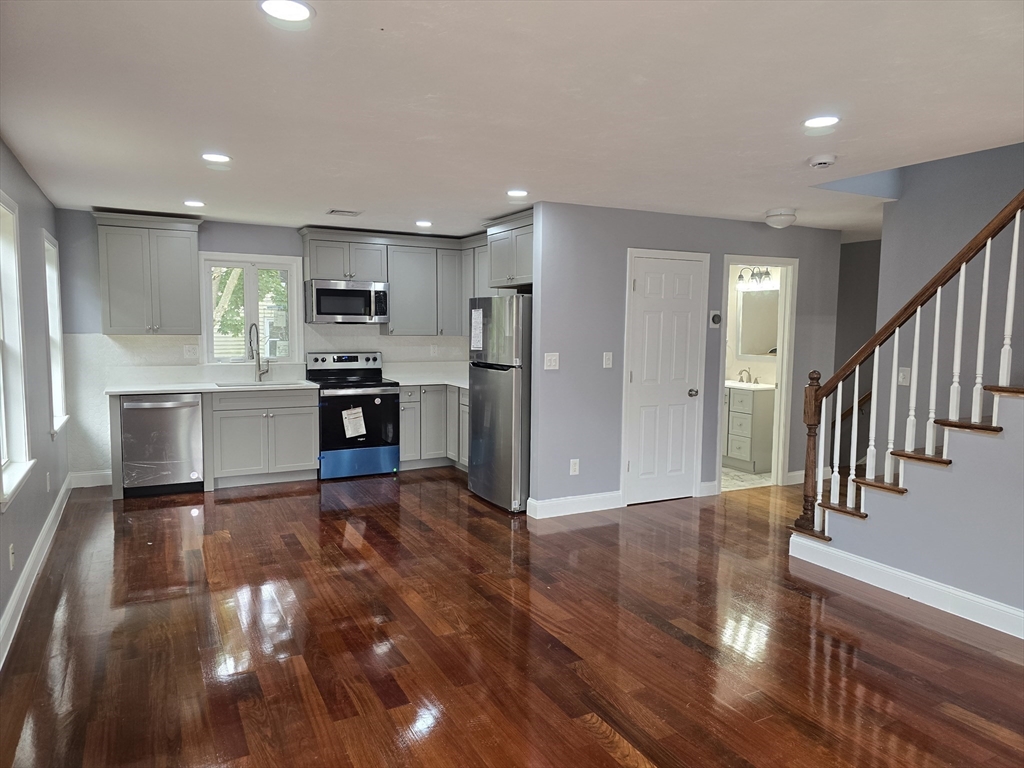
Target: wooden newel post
<point>812,418</point>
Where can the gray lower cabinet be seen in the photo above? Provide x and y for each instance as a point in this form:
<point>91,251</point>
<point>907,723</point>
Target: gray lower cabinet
<point>452,416</point>
<point>464,434</point>
<point>412,275</point>
<point>149,279</point>
<point>409,431</point>
<point>240,444</point>
<point>433,422</point>
<point>449,292</point>
<point>749,417</point>
<point>294,439</point>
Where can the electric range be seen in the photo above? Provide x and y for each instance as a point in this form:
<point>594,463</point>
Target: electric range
<point>359,414</point>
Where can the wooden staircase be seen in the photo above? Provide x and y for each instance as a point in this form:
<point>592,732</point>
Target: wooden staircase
<point>833,489</point>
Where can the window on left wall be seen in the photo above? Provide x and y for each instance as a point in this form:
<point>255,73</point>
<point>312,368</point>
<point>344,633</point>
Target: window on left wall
<point>58,401</point>
<point>15,458</point>
<point>239,290</point>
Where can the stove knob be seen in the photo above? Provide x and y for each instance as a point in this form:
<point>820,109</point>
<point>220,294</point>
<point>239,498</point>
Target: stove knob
<point>368,359</point>
<point>375,359</point>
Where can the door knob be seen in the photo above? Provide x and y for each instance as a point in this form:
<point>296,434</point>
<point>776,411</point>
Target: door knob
<point>693,393</point>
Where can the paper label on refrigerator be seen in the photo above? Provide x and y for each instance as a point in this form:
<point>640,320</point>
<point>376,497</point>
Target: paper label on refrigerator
<point>476,340</point>
<point>353,421</point>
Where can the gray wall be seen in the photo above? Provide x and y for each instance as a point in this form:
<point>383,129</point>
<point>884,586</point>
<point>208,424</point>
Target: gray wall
<point>857,302</point>
<point>23,519</point>
<point>80,259</point>
<point>579,311</point>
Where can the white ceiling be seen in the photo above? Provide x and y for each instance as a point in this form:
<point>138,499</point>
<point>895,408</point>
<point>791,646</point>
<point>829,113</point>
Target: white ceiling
<point>412,110</point>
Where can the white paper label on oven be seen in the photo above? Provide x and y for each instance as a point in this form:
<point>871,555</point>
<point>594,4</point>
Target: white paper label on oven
<point>353,421</point>
<point>477,337</point>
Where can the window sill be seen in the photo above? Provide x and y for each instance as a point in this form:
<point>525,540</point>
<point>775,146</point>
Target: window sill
<point>59,424</point>
<point>14,475</point>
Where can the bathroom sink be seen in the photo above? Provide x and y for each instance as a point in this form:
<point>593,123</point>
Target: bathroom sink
<point>253,384</point>
<point>747,385</point>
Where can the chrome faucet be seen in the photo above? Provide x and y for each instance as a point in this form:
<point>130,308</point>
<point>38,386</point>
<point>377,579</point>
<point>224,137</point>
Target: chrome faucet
<point>746,371</point>
<point>262,367</point>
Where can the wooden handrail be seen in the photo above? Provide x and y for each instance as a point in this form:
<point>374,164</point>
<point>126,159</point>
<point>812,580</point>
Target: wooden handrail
<point>865,398</point>
<point>943,276</point>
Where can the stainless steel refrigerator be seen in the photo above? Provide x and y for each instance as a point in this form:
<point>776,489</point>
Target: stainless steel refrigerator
<point>499,399</point>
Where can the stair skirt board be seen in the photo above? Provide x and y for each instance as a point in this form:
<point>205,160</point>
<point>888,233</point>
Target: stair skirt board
<point>976,608</point>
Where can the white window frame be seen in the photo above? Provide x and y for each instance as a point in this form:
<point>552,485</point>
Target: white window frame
<point>55,326</point>
<point>254,262</point>
<point>18,461</point>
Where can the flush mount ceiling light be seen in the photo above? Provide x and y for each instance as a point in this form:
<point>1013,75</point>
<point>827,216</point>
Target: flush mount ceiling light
<point>821,122</point>
<point>517,193</point>
<point>216,157</point>
<point>287,10</point>
<point>424,224</point>
<point>194,203</point>
<point>780,218</point>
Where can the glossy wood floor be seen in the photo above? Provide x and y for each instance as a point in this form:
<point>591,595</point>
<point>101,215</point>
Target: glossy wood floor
<point>403,622</point>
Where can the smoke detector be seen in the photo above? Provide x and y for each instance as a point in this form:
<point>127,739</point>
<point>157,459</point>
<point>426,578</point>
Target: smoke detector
<point>780,218</point>
<point>821,161</point>
<point>340,212</point>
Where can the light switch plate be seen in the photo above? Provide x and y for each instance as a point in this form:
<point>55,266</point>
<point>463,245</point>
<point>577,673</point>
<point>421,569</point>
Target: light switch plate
<point>191,351</point>
<point>574,466</point>
<point>607,359</point>
<point>550,361</point>
<point>903,378</point>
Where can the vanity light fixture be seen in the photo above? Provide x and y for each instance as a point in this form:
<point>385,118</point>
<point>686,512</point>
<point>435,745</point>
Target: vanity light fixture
<point>760,279</point>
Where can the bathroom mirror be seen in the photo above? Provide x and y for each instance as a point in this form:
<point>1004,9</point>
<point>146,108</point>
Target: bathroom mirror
<point>758,323</point>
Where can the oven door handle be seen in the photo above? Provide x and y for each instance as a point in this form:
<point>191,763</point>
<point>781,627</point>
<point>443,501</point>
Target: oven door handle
<point>359,391</point>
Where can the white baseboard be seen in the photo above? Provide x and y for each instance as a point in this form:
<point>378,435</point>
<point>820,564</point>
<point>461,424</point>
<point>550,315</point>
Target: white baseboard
<point>89,479</point>
<point>11,617</point>
<point>976,608</point>
<point>795,477</point>
<point>709,488</point>
<point>572,505</point>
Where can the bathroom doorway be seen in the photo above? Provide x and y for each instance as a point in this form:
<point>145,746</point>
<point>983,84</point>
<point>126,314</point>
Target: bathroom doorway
<point>759,302</point>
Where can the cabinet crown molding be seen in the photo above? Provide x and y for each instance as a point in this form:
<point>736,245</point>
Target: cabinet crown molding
<point>146,221</point>
<point>507,223</point>
<point>386,238</point>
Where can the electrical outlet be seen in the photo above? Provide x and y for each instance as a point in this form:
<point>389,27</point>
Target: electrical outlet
<point>191,351</point>
<point>903,377</point>
<point>47,482</point>
<point>10,553</point>
<point>607,359</point>
<point>550,361</point>
<point>574,466</point>
<point>433,350</point>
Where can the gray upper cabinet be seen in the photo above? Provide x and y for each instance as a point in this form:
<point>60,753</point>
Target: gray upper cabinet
<point>468,285</point>
<point>482,281</point>
<point>412,274</point>
<point>449,292</point>
<point>329,260</point>
<point>510,244</point>
<point>149,275</point>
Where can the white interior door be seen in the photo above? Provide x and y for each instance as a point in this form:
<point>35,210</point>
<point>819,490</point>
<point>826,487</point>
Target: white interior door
<point>665,323</point>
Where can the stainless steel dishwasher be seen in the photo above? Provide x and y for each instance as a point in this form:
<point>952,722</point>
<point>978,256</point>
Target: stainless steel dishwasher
<point>161,444</point>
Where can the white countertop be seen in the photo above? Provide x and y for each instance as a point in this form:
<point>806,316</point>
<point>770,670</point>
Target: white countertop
<point>160,388</point>
<point>747,385</point>
<point>455,374</point>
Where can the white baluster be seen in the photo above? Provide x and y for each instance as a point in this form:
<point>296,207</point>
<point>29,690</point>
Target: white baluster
<point>929,432</point>
<point>821,466</point>
<point>910,438</point>
<point>851,488</point>
<point>1005,354</point>
<point>837,434</point>
<point>892,407</point>
<point>979,373</point>
<point>958,345</point>
<point>869,470</point>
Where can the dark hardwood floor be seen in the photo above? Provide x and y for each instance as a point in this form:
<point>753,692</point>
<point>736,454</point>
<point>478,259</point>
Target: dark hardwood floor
<point>403,622</point>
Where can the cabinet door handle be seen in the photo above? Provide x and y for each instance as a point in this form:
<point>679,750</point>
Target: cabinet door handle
<point>271,415</point>
<point>441,332</point>
<point>149,327</point>
<point>402,408</point>
<point>264,415</point>
<point>156,327</point>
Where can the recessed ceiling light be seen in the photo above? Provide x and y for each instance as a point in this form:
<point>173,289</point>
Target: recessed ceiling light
<point>821,122</point>
<point>216,157</point>
<point>517,193</point>
<point>424,224</point>
<point>287,10</point>
<point>194,203</point>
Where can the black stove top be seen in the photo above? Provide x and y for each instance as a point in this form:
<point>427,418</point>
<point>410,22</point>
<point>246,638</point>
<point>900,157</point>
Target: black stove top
<point>346,370</point>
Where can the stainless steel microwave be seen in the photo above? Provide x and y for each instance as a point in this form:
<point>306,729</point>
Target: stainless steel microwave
<point>346,301</point>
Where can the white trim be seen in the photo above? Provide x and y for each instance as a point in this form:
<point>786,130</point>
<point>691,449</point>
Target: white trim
<point>976,608</point>
<point>13,477</point>
<point>783,364</point>
<point>89,479</point>
<point>54,304</point>
<point>573,505</point>
<point>710,488</point>
<point>12,615</point>
<point>705,261</point>
<point>794,477</point>
<point>19,449</point>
